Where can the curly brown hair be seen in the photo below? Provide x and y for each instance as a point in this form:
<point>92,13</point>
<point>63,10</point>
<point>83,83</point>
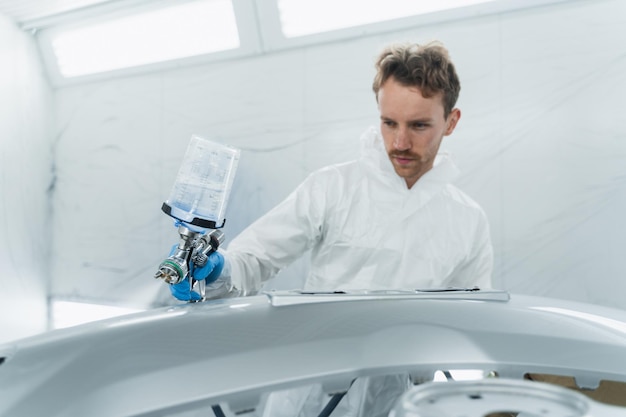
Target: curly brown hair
<point>427,67</point>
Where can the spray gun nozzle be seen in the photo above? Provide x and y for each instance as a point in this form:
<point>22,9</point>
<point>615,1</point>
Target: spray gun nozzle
<point>172,270</point>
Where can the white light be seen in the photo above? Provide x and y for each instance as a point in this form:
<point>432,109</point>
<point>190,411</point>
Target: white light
<point>460,375</point>
<point>239,305</point>
<point>185,30</point>
<point>70,313</point>
<point>300,18</point>
<point>620,326</point>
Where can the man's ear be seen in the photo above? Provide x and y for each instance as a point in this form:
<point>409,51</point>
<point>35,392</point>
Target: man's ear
<point>453,119</point>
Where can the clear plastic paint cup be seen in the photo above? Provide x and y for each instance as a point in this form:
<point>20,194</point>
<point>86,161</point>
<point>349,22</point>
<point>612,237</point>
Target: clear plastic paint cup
<point>200,194</point>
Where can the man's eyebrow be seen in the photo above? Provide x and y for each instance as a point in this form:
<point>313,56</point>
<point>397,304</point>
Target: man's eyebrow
<point>412,121</point>
<point>422,120</point>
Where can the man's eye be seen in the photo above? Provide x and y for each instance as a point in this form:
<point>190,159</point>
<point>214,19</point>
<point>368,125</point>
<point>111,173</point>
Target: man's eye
<point>420,126</point>
<point>389,123</point>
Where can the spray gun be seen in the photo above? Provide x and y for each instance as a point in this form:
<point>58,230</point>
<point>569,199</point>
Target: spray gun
<point>193,248</point>
<point>197,203</point>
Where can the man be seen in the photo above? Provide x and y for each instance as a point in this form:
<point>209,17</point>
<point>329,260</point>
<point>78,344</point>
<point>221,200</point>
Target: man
<point>390,220</point>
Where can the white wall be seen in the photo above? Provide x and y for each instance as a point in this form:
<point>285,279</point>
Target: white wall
<point>541,144</point>
<point>26,131</point>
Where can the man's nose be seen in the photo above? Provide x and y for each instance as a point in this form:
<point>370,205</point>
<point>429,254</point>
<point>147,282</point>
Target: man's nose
<point>402,142</point>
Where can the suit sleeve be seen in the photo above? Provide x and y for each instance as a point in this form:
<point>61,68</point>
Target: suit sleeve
<point>277,238</point>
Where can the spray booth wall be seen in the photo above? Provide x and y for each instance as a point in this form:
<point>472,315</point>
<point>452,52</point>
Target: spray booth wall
<point>26,129</point>
<point>540,143</point>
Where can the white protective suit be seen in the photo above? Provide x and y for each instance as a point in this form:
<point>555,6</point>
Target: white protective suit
<point>366,230</point>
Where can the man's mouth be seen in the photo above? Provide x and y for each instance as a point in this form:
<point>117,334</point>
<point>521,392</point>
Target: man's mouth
<point>402,159</point>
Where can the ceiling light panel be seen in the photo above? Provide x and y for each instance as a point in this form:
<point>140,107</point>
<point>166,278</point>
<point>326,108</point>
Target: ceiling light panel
<point>185,30</point>
<point>301,18</point>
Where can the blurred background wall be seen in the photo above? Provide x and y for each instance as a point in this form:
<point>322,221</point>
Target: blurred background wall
<point>26,140</point>
<point>541,145</point>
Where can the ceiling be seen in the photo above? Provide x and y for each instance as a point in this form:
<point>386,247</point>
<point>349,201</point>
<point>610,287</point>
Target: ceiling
<point>31,14</point>
<point>258,23</point>
<point>27,10</point>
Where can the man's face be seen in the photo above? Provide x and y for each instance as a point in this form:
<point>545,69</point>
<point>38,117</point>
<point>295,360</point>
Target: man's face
<point>412,128</point>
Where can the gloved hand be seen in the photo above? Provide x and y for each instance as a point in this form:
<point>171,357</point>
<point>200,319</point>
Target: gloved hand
<point>209,272</point>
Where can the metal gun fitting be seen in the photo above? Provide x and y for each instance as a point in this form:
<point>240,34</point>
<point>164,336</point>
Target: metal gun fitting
<point>193,247</point>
